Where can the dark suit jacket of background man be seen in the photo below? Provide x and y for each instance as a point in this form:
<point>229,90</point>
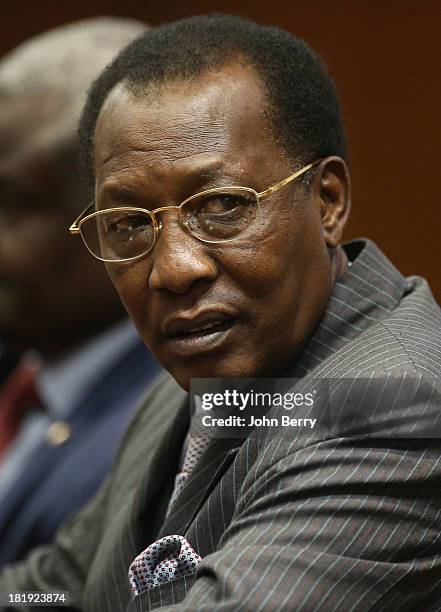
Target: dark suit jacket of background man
<point>57,480</point>
<point>281,522</point>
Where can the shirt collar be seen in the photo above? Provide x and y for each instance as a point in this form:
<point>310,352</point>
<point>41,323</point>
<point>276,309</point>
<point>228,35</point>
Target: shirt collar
<point>64,384</point>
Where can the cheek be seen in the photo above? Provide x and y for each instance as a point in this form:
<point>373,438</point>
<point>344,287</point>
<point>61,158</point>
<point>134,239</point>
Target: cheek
<point>130,281</point>
<point>280,256</point>
<point>285,275</point>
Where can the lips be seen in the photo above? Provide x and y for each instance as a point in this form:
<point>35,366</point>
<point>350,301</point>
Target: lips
<point>193,335</point>
<point>205,323</point>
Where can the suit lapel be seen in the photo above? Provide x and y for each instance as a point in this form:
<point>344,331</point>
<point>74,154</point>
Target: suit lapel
<point>151,499</point>
<point>208,472</point>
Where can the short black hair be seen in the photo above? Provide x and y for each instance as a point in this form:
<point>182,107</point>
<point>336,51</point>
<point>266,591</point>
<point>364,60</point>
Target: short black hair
<point>303,104</point>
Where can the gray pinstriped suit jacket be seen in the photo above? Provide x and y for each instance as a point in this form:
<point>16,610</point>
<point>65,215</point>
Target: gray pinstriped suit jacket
<point>282,522</point>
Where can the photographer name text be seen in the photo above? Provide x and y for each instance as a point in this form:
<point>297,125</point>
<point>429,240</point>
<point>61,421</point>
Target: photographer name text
<point>253,421</point>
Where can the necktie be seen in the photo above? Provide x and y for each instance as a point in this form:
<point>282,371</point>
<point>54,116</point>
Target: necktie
<point>19,394</point>
<point>195,449</point>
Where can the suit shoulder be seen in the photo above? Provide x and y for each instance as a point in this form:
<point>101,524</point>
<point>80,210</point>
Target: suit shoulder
<point>416,327</point>
<point>408,338</point>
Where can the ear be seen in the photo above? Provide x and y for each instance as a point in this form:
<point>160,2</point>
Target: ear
<point>334,186</point>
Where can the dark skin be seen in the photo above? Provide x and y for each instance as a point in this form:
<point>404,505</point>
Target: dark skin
<point>52,295</point>
<point>158,148</point>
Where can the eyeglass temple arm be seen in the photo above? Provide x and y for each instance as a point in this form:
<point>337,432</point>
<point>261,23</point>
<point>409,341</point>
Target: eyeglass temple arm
<point>270,190</point>
<point>74,229</point>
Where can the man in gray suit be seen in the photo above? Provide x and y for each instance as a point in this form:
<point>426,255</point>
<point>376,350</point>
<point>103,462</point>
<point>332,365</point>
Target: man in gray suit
<point>217,154</point>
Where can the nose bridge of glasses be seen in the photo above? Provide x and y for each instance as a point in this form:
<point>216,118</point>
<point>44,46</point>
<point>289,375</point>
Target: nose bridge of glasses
<point>162,209</point>
<point>168,208</point>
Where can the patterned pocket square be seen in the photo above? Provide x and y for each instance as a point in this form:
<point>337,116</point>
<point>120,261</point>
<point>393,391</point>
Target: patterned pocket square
<point>164,560</point>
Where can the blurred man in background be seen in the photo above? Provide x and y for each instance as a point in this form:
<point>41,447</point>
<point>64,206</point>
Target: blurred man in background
<point>7,362</point>
<point>65,405</point>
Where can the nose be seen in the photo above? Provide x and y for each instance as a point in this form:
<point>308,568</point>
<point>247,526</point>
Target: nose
<point>179,261</point>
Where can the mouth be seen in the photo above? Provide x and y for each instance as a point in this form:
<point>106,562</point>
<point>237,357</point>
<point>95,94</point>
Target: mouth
<point>203,332</point>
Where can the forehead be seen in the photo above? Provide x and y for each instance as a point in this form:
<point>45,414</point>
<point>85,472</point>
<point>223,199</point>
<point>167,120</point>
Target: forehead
<point>221,114</point>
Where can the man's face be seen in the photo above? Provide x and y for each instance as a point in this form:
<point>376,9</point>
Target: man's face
<point>52,294</point>
<point>263,293</point>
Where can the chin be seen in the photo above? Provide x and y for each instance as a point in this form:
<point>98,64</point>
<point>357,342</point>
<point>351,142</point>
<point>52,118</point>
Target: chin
<point>183,377</point>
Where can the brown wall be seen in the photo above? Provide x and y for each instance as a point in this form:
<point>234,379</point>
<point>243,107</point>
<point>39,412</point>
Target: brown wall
<point>385,56</point>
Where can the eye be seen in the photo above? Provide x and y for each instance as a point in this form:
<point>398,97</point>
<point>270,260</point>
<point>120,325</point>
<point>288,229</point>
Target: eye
<point>220,204</point>
<point>128,223</point>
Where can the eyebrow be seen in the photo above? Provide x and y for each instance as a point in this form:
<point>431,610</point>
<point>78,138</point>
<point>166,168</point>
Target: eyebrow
<point>125,195</point>
<point>120,195</point>
<point>210,173</point>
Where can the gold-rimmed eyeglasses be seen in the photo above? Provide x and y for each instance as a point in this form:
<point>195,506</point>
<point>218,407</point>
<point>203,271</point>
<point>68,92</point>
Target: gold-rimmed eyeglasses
<point>213,216</point>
